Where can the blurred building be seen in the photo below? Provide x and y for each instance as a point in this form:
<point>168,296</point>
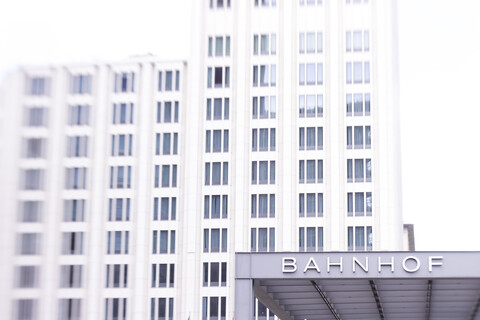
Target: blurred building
<point>129,186</point>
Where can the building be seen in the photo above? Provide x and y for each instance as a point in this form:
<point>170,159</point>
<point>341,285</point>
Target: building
<point>130,186</point>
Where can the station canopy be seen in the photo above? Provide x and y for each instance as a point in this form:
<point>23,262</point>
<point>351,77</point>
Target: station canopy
<point>359,285</point>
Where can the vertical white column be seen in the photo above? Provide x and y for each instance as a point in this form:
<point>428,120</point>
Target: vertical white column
<point>334,128</point>
<point>191,234</point>
<point>54,183</point>
<point>287,123</point>
<point>240,105</point>
<point>94,271</point>
<point>141,233</point>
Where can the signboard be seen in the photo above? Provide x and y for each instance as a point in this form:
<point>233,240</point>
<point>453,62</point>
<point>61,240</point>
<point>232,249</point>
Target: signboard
<point>280,265</point>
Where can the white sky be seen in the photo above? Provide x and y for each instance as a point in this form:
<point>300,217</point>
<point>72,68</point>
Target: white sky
<point>439,76</point>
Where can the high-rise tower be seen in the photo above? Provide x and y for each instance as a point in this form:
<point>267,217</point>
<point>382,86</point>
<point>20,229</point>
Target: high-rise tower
<point>131,185</point>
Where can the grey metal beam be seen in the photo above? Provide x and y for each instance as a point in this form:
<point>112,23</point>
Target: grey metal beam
<point>267,300</point>
<point>324,298</point>
<point>475,309</point>
<point>429,300</point>
<point>373,286</point>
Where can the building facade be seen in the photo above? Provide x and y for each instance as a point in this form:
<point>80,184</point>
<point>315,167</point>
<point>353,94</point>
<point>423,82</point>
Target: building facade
<point>130,186</point>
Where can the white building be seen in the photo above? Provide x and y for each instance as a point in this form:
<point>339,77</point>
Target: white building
<point>128,187</point>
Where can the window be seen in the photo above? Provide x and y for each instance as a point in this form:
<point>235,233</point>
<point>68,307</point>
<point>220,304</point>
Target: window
<point>310,239</point>
<point>227,46</point>
<point>264,175</point>
<point>209,77</point>
<point>261,141</point>
<point>166,143</point>
<point>163,275</point>
<point>219,112</point>
<point>119,209</point>
<point>122,113</point>
<point>26,309</point>
<point>361,72</point>
<point>311,2</point>
<point>216,173</point>
<point>214,274</point>
<point>165,181</point>
<point>32,179</point>
<point>361,40</point>
<point>313,73</point>
<point>361,104</point>
<point>72,243</point>
<point>75,178</point>
<point>268,44</point>
<point>167,112</point>
<point>215,240</point>
<point>71,276</point>
<point>361,202</point>
<point>177,80</point>
<point>357,41</point>
<point>163,241</point>
<point>26,276</point>
<point>363,170</point>
<point>273,75</point>
<point>116,276</point>
<point>36,117</point>
<point>310,42</point>
<point>262,239</point>
<point>120,177</point>
<point>265,77</point>
<point>360,238</point>
<point>357,72</point>
<point>77,146</point>
<point>216,144</point>
<point>74,210</point>
<point>266,3</point>
<point>356,135</point>
<point>313,207</point>
<point>165,208</point>
<point>264,107</point>
<point>124,82</point>
<point>264,48</point>
<point>314,138</point>
<point>219,80</point>
<point>117,242</point>
<point>69,309</point>
<point>158,308</point>
<point>314,171</point>
<point>122,145</point>
<point>263,205</point>
<point>30,211</point>
<point>214,308</point>
<point>215,207</point>
<point>29,243</point>
<point>80,84</point>
<point>366,75</point>
<point>79,115</point>
<point>160,81</point>
<point>38,86</point>
<point>348,71</point>
<point>168,80</point>
<point>218,46</point>
<point>313,106</point>
<point>115,308</point>
<point>34,148</point>
<point>219,3</point>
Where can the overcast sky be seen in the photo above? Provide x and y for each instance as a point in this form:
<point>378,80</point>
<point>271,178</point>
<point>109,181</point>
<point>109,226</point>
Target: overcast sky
<point>439,87</point>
